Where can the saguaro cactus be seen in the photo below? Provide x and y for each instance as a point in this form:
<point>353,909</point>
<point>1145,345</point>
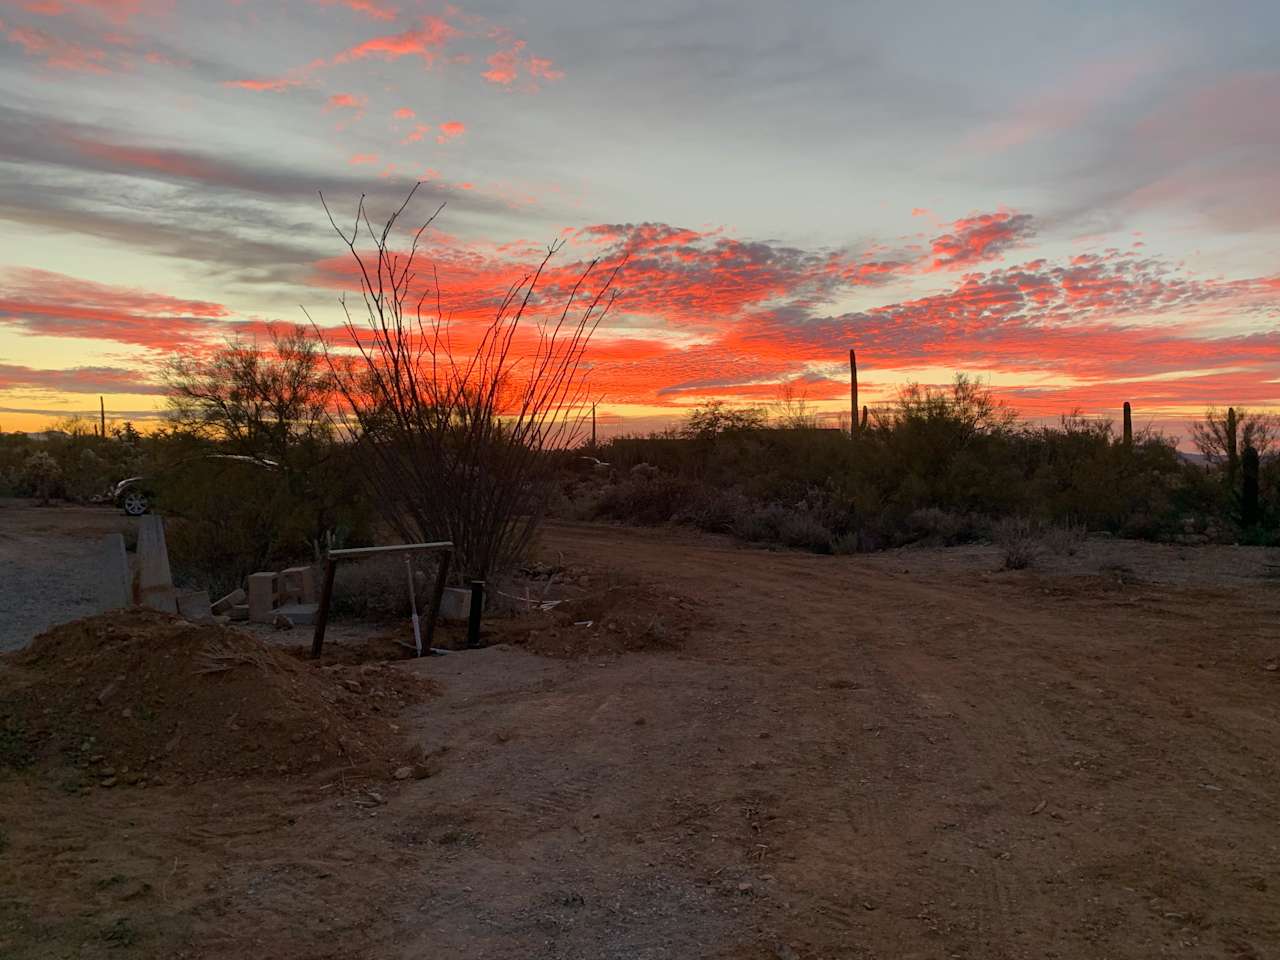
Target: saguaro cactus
<point>1249,500</point>
<point>1128,424</point>
<point>1233,459</point>
<point>865,416</point>
<point>853,391</point>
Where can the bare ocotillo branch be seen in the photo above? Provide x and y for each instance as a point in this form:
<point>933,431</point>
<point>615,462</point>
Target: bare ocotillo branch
<point>456,437</point>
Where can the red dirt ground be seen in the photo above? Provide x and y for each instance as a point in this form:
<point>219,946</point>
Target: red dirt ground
<point>841,759</point>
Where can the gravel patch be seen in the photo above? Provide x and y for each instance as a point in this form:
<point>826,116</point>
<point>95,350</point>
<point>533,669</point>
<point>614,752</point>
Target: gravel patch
<point>49,566</point>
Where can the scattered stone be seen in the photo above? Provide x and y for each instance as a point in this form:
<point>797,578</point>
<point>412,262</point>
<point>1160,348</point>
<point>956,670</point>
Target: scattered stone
<point>108,782</point>
<point>233,599</point>
<point>281,622</point>
<point>403,773</point>
<point>193,605</point>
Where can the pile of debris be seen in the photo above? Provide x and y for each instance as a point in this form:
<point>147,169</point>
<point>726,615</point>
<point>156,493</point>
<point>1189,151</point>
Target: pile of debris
<point>140,697</point>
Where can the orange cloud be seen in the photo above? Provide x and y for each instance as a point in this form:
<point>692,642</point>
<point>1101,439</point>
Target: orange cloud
<point>404,113</point>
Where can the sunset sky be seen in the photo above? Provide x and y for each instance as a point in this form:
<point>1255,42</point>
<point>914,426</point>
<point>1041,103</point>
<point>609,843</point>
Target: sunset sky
<point>1077,202</point>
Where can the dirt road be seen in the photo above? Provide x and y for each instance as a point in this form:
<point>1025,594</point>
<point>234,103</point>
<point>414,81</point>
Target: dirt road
<point>849,758</point>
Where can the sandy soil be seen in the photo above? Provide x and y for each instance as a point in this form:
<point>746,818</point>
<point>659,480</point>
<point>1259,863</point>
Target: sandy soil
<point>907,755</point>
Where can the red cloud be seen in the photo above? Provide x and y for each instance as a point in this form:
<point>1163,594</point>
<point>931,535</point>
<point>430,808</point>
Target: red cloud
<point>359,159</point>
<point>426,42</point>
<point>978,238</point>
<point>119,11</point>
<point>59,52</point>
<point>345,101</point>
<point>273,85</point>
<point>77,380</point>
<point>376,11</point>
<point>47,304</point>
<point>450,130</point>
<point>404,113</point>
<point>505,63</point>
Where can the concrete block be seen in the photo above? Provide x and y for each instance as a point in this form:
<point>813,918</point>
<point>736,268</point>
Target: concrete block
<point>239,612</point>
<point>155,581</point>
<point>115,578</point>
<point>262,597</point>
<point>455,604</point>
<point>298,585</point>
<point>194,605</point>
<point>232,599</point>
<point>302,614</point>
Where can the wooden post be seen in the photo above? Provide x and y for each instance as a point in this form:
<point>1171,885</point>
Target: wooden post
<point>322,615</point>
<point>437,595</point>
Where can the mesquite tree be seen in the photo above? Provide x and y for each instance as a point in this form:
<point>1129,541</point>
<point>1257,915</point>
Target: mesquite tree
<point>457,421</point>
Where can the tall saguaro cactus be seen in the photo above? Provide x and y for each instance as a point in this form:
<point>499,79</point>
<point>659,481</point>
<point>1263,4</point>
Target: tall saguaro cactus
<point>1233,459</point>
<point>853,391</point>
<point>1128,424</point>
<point>1249,499</point>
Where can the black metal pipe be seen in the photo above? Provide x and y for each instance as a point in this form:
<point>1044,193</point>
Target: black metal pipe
<point>477,607</point>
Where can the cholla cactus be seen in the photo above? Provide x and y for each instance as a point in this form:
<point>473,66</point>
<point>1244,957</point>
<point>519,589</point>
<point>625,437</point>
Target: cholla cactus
<point>42,473</point>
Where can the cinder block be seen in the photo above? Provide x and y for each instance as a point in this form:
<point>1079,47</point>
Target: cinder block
<point>298,585</point>
<point>232,599</point>
<point>155,582</point>
<point>455,603</point>
<point>193,605</point>
<point>262,597</point>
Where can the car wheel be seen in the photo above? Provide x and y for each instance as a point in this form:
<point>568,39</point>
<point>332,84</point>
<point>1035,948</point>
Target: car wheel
<point>135,503</point>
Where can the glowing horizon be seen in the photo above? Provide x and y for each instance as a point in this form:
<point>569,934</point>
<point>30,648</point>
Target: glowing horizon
<point>1078,220</point>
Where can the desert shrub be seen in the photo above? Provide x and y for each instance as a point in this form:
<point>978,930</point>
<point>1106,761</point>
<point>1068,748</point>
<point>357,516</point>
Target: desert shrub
<point>1019,542</point>
<point>1064,538</point>
<point>642,501</point>
<point>803,531</point>
<point>378,588</point>
<point>713,509</point>
<point>229,519</point>
<point>937,527</point>
<point>760,524</point>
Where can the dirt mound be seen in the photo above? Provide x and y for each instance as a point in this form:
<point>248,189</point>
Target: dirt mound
<point>615,619</point>
<point>139,697</point>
